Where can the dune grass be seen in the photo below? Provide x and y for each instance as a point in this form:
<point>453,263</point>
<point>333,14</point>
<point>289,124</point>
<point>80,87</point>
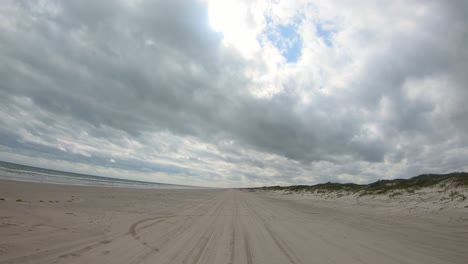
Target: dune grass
<point>455,179</point>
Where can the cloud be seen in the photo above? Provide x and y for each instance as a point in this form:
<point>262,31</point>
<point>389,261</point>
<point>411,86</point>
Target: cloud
<point>372,91</point>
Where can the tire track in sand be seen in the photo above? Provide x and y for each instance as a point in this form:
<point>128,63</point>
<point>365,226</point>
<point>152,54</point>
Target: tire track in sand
<point>181,227</point>
<point>80,251</point>
<point>248,251</point>
<point>282,246</point>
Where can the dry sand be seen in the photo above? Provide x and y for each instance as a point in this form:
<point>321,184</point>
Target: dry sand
<point>114,225</point>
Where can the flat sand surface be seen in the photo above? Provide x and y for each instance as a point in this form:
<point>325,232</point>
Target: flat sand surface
<point>71,224</point>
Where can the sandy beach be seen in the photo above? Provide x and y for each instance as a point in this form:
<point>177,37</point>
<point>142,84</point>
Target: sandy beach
<point>42,223</point>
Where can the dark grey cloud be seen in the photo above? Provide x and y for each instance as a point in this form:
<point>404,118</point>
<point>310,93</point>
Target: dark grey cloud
<point>89,81</point>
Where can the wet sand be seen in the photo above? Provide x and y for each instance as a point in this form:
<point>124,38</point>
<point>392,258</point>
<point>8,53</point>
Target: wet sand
<point>41,223</point>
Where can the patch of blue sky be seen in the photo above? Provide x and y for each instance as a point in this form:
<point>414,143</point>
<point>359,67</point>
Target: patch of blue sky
<point>286,39</point>
<point>325,32</point>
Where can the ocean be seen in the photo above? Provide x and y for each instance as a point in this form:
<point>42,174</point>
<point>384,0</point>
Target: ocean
<point>17,172</point>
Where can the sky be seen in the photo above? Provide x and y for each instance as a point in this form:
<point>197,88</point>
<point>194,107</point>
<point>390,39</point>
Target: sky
<point>235,93</point>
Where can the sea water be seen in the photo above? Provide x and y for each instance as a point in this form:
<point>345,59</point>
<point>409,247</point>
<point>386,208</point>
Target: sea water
<point>17,172</point>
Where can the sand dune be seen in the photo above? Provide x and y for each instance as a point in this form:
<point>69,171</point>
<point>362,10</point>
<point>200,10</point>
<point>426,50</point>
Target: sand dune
<point>43,223</point>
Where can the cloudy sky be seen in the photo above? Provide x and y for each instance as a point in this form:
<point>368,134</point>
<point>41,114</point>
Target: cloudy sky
<point>235,93</point>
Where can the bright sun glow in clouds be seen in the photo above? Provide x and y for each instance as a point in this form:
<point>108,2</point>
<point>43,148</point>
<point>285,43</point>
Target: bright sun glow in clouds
<point>230,19</point>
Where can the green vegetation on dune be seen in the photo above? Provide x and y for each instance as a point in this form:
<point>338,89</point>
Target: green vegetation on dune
<point>456,179</point>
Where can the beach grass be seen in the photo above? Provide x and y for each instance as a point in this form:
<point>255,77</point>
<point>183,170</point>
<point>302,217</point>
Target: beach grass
<point>395,186</point>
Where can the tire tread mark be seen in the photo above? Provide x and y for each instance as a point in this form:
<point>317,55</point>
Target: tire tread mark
<point>202,249</point>
<point>207,235</point>
<point>283,248</point>
<point>76,253</point>
<point>132,230</point>
<point>233,246</point>
<point>248,251</point>
<point>168,236</point>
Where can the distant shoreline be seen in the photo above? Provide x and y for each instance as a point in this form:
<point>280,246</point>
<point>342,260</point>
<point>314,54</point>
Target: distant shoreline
<point>25,173</point>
